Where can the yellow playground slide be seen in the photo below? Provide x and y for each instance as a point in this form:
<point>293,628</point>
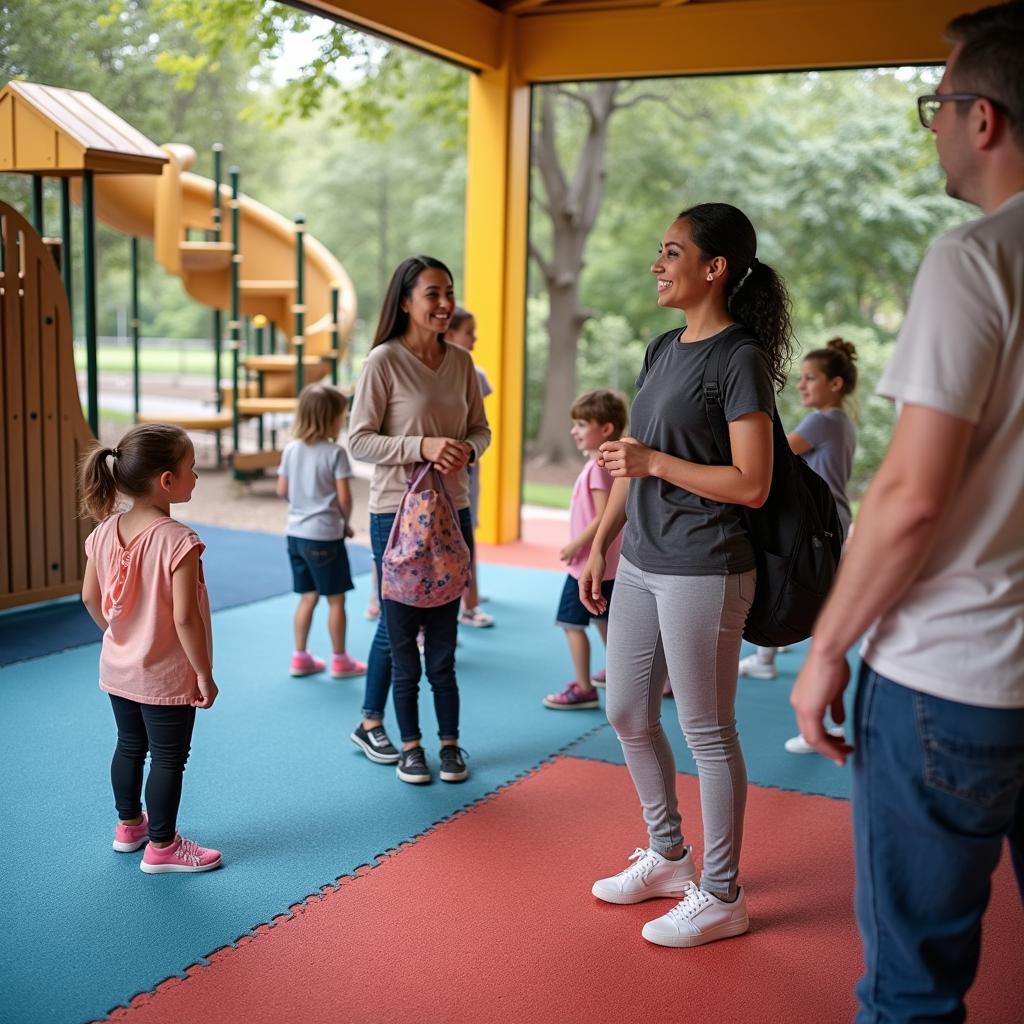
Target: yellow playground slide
<point>176,210</point>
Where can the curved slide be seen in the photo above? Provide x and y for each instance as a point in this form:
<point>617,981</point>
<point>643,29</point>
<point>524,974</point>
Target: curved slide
<point>173,206</point>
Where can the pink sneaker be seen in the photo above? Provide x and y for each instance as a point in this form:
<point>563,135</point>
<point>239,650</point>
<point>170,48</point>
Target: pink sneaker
<point>344,667</point>
<point>600,678</point>
<point>305,664</point>
<point>572,698</point>
<point>128,838</point>
<point>182,855</point>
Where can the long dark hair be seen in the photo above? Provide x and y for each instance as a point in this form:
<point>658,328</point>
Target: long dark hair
<point>757,296</point>
<point>394,321</point>
<point>146,451</point>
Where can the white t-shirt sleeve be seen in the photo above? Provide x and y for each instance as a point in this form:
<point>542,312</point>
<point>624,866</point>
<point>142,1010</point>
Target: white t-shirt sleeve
<point>286,458</point>
<point>948,349</point>
<point>342,466</point>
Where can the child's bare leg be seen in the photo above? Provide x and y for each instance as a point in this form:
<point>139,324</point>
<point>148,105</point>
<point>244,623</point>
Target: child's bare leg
<point>336,622</point>
<point>304,618</point>
<point>602,629</point>
<point>579,648</point>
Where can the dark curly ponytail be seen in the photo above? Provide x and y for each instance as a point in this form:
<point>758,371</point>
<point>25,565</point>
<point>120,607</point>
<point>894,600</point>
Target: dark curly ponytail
<point>757,296</point>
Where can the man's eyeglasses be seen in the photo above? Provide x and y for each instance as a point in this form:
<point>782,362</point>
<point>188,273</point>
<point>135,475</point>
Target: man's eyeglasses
<point>928,106</point>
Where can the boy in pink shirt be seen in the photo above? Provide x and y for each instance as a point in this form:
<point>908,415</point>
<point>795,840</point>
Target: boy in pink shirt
<point>597,416</point>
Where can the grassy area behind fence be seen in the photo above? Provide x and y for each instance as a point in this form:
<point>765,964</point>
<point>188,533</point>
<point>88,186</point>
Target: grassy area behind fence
<point>184,361</point>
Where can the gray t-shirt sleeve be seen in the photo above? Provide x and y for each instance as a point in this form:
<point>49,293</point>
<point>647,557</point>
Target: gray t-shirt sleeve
<point>342,466</point>
<point>815,429</point>
<point>747,384</point>
<point>286,459</point>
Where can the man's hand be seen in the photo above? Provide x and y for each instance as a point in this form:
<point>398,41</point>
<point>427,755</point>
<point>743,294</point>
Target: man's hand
<point>819,687</point>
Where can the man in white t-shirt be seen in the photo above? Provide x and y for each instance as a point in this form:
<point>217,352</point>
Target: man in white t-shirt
<point>935,570</point>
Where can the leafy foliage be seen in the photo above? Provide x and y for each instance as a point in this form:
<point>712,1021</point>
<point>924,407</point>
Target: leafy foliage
<point>368,141</point>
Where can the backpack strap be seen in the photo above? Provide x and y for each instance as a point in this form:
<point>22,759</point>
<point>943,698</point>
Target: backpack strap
<point>711,386</point>
<point>661,343</point>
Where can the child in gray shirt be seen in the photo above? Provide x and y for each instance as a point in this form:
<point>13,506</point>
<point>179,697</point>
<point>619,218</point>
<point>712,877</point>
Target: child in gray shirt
<point>314,477</point>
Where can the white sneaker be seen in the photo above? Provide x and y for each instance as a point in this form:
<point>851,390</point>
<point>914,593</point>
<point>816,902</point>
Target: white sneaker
<point>699,918</point>
<point>753,666</point>
<point>651,876</point>
<point>798,745</point>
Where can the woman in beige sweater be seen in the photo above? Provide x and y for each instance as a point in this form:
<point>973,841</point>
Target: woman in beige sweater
<point>417,400</point>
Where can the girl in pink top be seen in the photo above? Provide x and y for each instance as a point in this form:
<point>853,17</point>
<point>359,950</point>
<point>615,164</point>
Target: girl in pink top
<point>144,588</point>
<point>597,416</point>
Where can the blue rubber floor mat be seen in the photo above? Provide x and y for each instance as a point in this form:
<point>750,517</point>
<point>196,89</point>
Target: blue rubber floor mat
<point>273,781</point>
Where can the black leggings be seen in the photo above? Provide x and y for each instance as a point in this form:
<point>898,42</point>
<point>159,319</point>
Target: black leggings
<point>165,731</point>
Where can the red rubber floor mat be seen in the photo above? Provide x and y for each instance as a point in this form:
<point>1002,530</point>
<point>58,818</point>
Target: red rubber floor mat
<point>489,918</point>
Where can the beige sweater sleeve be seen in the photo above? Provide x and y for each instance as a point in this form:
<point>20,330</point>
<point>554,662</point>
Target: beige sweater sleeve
<point>365,440</point>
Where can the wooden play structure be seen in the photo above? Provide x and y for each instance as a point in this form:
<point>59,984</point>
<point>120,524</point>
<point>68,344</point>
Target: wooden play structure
<point>44,431</point>
<point>257,265</point>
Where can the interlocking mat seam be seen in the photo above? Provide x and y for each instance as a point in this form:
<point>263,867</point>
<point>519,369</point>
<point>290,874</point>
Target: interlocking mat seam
<point>325,891</point>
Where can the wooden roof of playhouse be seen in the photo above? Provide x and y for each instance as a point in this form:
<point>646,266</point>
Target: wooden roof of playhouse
<point>61,132</point>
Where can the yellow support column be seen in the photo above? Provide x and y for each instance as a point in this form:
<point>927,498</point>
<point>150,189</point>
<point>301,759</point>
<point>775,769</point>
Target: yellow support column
<point>497,192</point>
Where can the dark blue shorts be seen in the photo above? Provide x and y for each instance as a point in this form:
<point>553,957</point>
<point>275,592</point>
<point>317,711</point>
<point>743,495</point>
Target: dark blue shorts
<point>571,612</point>
<point>320,565</point>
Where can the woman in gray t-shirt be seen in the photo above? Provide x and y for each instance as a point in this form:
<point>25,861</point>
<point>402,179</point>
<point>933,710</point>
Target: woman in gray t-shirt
<point>686,577</point>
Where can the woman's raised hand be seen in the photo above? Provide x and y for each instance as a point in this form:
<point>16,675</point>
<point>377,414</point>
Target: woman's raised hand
<point>447,454</point>
<point>626,457</point>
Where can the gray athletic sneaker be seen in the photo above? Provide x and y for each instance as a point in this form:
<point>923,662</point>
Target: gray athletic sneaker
<point>375,744</point>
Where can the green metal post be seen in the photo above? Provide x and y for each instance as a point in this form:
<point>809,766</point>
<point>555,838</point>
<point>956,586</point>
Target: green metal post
<point>233,346</point>
<point>234,324</point>
<point>218,151</point>
<point>37,203</point>
<point>258,323</point>
<point>335,334</point>
<point>218,319</point>
<point>89,275</point>
<point>65,245</point>
<point>134,327</point>
<point>300,309</point>
<point>217,330</point>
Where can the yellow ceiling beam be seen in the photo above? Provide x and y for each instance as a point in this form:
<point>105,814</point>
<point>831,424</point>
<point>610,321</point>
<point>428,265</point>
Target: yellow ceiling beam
<point>755,35</point>
<point>464,31</point>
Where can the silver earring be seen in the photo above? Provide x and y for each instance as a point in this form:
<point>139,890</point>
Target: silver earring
<point>711,277</point>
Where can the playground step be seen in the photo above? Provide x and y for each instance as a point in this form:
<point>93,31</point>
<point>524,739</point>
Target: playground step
<point>205,255</point>
<point>209,421</point>
<point>249,461</point>
<point>259,287</point>
<point>278,363</point>
<point>260,406</point>
<point>247,390</point>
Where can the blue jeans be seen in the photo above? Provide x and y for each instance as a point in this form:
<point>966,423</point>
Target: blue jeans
<point>936,786</point>
<point>393,652</point>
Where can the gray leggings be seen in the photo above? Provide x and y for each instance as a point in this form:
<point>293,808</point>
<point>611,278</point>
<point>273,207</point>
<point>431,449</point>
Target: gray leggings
<point>691,627</point>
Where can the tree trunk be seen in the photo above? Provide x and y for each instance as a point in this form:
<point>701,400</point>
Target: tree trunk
<point>572,207</point>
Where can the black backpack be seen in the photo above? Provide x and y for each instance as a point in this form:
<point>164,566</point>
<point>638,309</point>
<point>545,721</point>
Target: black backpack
<point>796,534</point>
